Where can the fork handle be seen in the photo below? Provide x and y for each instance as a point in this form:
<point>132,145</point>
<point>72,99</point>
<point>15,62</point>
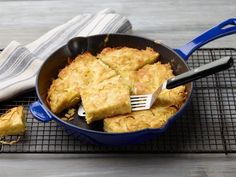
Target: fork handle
<point>202,71</point>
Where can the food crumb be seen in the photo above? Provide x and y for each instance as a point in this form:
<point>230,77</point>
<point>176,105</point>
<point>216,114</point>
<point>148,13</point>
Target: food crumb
<point>69,115</point>
<point>10,142</point>
<point>72,118</point>
<point>64,118</point>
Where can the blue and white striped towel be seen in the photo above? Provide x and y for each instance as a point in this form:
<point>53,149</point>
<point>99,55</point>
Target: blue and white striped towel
<point>19,64</point>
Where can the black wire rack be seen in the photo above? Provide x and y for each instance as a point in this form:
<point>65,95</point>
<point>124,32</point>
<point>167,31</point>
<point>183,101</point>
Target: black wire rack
<point>208,125</point>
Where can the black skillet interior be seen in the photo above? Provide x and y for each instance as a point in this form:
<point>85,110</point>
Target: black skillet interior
<point>95,44</point>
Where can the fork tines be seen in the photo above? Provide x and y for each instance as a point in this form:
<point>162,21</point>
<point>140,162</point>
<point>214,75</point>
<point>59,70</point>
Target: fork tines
<point>140,102</point>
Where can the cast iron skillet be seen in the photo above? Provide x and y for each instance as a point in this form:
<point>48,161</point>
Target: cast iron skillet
<point>94,134</point>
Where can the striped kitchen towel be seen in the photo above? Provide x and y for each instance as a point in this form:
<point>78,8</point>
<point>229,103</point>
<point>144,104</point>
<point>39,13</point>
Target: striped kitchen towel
<point>19,64</point>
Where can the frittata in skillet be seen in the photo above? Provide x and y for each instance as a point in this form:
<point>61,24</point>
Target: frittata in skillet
<point>105,83</point>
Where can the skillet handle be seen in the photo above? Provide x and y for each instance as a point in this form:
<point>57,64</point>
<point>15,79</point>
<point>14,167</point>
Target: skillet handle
<point>39,112</point>
<point>225,28</point>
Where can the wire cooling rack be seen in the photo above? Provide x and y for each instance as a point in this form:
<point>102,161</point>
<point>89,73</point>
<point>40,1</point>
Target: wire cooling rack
<point>208,125</point>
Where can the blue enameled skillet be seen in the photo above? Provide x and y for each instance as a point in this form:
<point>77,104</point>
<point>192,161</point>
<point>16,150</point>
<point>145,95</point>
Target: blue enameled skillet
<point>94,134</point>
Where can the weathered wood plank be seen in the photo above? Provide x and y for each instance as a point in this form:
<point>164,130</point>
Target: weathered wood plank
<point>178,165</point>
<point>172,22</point>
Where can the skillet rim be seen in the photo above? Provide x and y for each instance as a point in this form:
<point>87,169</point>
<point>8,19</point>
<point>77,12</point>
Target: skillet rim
<point>146,130</point>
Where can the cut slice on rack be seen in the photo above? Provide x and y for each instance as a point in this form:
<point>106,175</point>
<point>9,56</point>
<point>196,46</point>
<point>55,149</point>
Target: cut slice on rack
<point>12,122</point>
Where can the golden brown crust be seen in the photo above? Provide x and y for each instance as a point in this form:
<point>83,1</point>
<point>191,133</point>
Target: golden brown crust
<point>127,59</point>
<point>150,77</point>
<point>168,103</point>
<point>145,81</point>
<point>84,70</point>
<point>108,98</point>
<point>13,122</point>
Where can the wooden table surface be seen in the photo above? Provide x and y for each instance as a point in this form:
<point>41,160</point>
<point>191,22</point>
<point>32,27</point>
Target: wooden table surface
<point>172,22</point>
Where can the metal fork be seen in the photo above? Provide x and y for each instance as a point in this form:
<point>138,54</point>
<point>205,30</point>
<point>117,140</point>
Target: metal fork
<point>143,102</point>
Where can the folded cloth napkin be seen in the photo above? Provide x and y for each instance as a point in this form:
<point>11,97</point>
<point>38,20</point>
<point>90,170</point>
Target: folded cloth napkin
<point>19,64</point>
